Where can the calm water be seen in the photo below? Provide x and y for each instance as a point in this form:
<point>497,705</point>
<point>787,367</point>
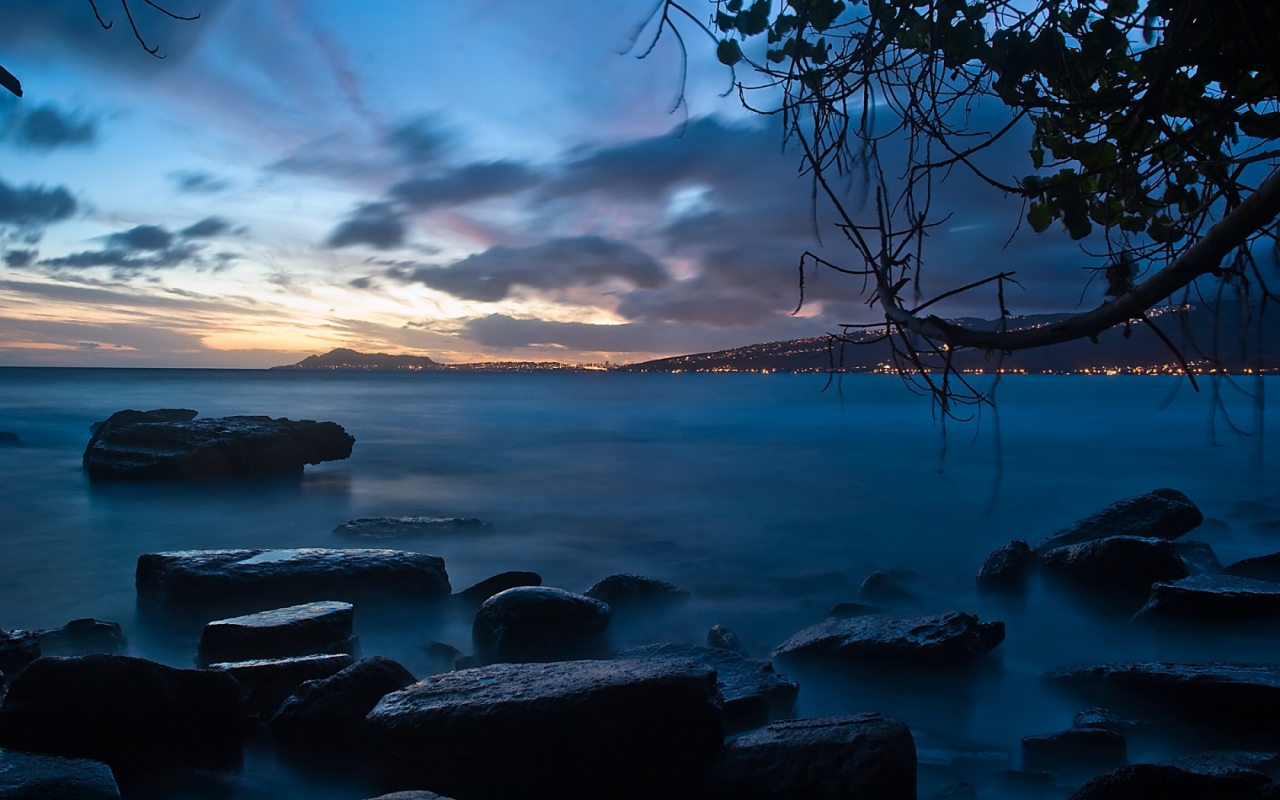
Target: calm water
<point>767,498</point>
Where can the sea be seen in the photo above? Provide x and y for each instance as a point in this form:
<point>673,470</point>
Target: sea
<point>770,497</point>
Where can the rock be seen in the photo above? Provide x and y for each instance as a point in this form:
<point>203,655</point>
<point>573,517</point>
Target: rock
<point>1225,696</point>
<point>1254,509</point>
<point>597,728</point>
<point>1154,782</point>
<point>890,586</point>
<point>80,637</point>
<point>1103,719</point>
<point>290,576</point>
<point>158,415</point>
<point>722,638</point>
<point>1212,598</point>
<point>1199,557</point>
<point>846,610</point>
<point>409,527</point>
<point>410,796</point>
<point>477,594</point>
<point>1270,527</point>
<point>329,714</point>
<point>140,445</point>
<point>1162,514</point>
<point>266,683</point>
<point>868,755</point>
<point>754,693</point>
<point>26,776</point>
<point>444,656</point>
<point>1007,568</point>
<point>1091,750</point>
<point>8,439</point>
<point>130,713</point>
<point>625,590</point>
<point>17,649</point>
<point>960,791</point>
<point>1230,762</point>
<point>944,641</point>
<point>539,623</point>
<point>1127,564</point>
<point>320,628</point>
<point>1258,568</point>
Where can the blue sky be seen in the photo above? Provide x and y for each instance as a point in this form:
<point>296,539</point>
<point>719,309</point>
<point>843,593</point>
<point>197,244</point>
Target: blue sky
<point>478,180</point>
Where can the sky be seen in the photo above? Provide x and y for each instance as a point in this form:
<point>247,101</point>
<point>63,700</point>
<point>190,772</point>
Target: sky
<point>473,181</point>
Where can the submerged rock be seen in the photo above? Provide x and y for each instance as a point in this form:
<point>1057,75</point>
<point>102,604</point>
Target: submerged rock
<point>1254,509</point>
<point>597,728</point>
<point>539,623</point>
<point>140,445</point>
<point>1258,568</point>
<point>26,776</point>
<point>947,640</point>
<point>1156,782</point>
<point>722,638</point>
<point>1117,563</point>
<point>1199,557</point>
<point>867,755</point>
<point>890,586</point>
<point>1091,750</point>
<point>501,582</point>
<point>17,649</point>
<point>1213,598</point>
<point>409,527</point>
<point>320,628</point>
<point>624,590</point>
<point>1103,719</point>
<point>295,576</point>
<point>266,683</point>
<point>1161,514</point>
<point>8,439</point>
<point>80,637</point>
<point>329,714</point>
<point>1007,568</point>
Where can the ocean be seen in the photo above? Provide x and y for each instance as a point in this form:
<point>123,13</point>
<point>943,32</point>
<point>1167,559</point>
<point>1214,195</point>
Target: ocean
<point>767,497</point>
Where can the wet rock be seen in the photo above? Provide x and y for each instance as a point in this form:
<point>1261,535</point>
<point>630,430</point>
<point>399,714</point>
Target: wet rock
<point>8,439</point>
<point>80,637</point>
<point>1236,697</point>
<point>754,693</point>
<point>1249,763</point>
<point>477,594</point>
<point>1258,568</point>
<point>157,415</point>
<point>722,638</point>
<point>1091,750</point>
<point>140,445</point>
<point>946,641</point>
<point>17,649</point>
<point>538,623</point>
<point>266,683</point>
<point>1199,557</point>
<point>1212,598</point>
<point>1155,782</point>
<point>26,776</point>
<point>1127,564</point>
<point>961,791</point>
<point>846,610</point>
<point>891,586</point>
<point>625,590</point>
<point>410,796</point>
<point>1161,514</point>
<point>1007,568</point>
<point>1103,719</point>
<point>329,714</point>
<point>410,527</point>
<point>867,755</point>
<point>320,628</point>
<point>289,576</point>
<point>601,728</point>
<point>130,713</point>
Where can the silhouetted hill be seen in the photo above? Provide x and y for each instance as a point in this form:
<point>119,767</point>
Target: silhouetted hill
<point>342,358</point>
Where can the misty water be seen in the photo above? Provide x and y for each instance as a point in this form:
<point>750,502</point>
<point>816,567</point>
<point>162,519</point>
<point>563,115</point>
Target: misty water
<point>766,497</point>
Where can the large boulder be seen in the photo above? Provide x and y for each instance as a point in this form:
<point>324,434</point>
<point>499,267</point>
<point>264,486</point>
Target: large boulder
<point>141,445</point>
<point>1258,568</point>
<point>1162,514</point>
<point>128,712</point>
<point>409,527</point>
<point>27,776</point>
<point>1088,750</point>
<point>538,623</point>
<point>1161,782</point>
<point>328,715</point>
<point>478,593</point>
<point>1128,564</point>
<point>754,693</point>
<point>289,576</point>
<point>320,628</point>
<point>1212,598</point>
<point>1007,568</point>
<point>868,755</point>
<point>619,591</point>
<point>569,728</point>
<point>266,683</point>
<point>945,641</point>
<point>80,637</point>
<point>17,649</point>
<point>1198,556</point>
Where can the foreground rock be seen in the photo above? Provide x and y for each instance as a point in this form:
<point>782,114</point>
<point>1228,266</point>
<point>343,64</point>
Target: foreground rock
<point>321,628</point>
<point>620,591</point>
<point>1155,782</point>
<point>139,445</point>
<point>1213,598</point>
<point>1258,568</point>
<point>1090,750</point>
<point>945,641</point>
<point>477,594</point>
<point>26,776</point>
<point>1230,762</point>
<point>1118,563</point>
<point>1007,568</point>
<point>128,712</point>
<point>266,683</point>
<point>1233,697</point>
<point>17,649</point>
<point>754,693</point>
<point>1162,514</point>
<point>81,637</point>
<point>592,728</point>
<point>290,576</point>
<point>329,714</point>
<point>868,755</point>
<point>538,624</point>
<point>409,527</point>
<point>157,415</point>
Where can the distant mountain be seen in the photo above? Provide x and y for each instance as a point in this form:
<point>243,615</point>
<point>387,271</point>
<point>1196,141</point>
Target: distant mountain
<point>342,358</point>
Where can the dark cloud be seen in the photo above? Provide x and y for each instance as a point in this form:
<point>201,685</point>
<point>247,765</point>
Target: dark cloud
<point>34,205</point>
<point>206,228</point>
<point>556,264</point>
<point>199,182</point>
<point>378,225</point>
<point>127,260</point>
<point>416,142</point>
<point>465,184</point>
<point>141,237</point>
<point>47,128</point>
<point>360,283</point>
<point>20,258</point>
<point>149,247</point>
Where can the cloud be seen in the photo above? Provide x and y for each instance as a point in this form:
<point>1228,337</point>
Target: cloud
<point>46,128</point>
<point>376,224</point>
<point>190,182</point>
<point>126,260</point>
<point>464,184</point>
<point>149,247</point>
<point>206,228</point>
<point>20,258</point>
<point>417,142</point>
<point>141,237</point>
<point>34,205</point>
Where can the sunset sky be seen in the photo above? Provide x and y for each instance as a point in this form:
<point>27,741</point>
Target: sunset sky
<point>471,181</point>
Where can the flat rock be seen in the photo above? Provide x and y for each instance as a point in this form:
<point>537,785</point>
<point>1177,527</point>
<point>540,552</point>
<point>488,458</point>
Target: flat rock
<point>1223,695</point>
<point>501,582</point>
<point>754,693</point>
<point>80,637</point>
<point>1249,763</point>
<point>319,628</point>
<point>722,638</point>
<point>140,445</point>
<point>329,714</point>
<point>1090,750</point>
<point>1161,514</point>
<point>266,683</point>
<point>8,439</point>
<point>1127,564</point>
<point>538,623</point>
<point>409,527</point>
<point>948,640</point>
<point>1007,568</point>
<point>599,728</point>
<point>1258,568</point>
<point>1157,782</point>
<point>130,713</point>
<point>625,590</point>
<point>1199,557</point>
<point>157,415</point>
<point>410,796</point>
<point>27,776</point>
<point>1104,719</point>
<point>867,755</point>
<point>17,649</point>
<point>290,576</point>
<point>1212,598</point>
